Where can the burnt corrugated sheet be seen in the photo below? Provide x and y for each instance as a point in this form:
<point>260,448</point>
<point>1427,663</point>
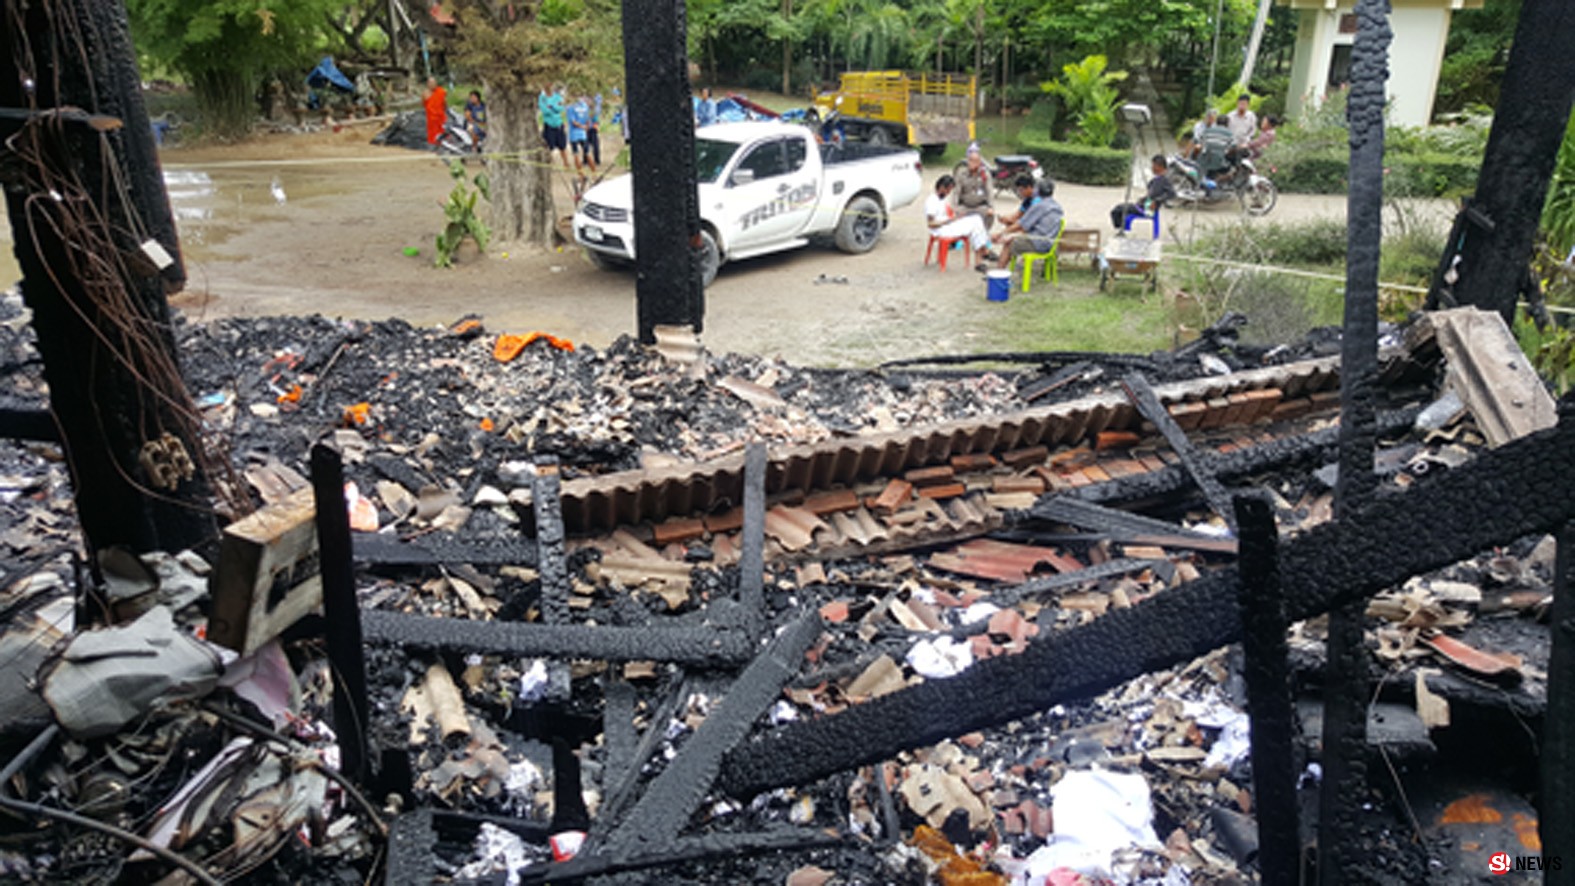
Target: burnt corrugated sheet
<point>600,503</point>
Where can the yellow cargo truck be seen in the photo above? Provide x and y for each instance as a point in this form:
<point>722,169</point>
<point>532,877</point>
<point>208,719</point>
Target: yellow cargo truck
<point>893,107</point>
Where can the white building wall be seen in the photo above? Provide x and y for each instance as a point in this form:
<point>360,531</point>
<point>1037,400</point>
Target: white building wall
<point>1414,62</point>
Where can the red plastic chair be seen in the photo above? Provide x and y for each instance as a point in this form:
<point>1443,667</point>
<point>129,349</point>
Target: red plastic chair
<point>946,247</point>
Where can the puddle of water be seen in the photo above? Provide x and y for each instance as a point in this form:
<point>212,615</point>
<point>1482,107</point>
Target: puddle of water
<point>211,206</point>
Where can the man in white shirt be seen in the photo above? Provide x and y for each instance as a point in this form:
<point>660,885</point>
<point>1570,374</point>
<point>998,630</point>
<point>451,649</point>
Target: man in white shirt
<point>1242,122</point>
<point>938,214</point>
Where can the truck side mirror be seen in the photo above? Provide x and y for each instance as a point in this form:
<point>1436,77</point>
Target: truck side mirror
<point>742,176</point>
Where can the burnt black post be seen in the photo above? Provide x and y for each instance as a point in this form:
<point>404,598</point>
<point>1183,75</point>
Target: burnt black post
<point>667,239</point>
<point>1556,821</point>
<point>83,194</point>
<point>1268,673</point>
<point>341,609</point>
<point>1346,679</point>
<point>1494,236</point>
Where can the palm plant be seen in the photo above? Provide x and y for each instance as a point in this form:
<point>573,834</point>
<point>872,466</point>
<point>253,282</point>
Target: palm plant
<point>1088,92</point>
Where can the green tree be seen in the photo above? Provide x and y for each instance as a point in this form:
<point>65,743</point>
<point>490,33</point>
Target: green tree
<point>1088,92</point>
<point>1558,213</point>
<point>224,48</point>
<point>516,49</point>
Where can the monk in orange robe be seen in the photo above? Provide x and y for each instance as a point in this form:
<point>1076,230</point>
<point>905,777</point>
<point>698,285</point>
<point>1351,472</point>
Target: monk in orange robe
<point>436,104</point>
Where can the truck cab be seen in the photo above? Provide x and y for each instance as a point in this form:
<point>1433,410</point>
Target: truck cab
<point>764,187</point>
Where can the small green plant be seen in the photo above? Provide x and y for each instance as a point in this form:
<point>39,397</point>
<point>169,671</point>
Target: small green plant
<point>1558,213</point>
<point>1551,351</point>
<point>1089,93</point>
<point>460,211</point>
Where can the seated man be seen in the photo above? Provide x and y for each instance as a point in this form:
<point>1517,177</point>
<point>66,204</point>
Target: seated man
<point>974,188</point>
<point>1160,190</point>
<point>938,215</point>
<point>1213,147</point>
<point>1035,227</point>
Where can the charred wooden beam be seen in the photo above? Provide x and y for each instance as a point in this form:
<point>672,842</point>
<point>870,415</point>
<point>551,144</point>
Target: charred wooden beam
<point>1556,821</point>
<point>550,562</point>
<point>1317,447</point>
<point>1493,238</point>
<point>1523,487</point>
<point>752,557</point>
<point>711,646</point>
<point>1268,675</point>
<point>667,804</point>
<point>1344,785</point>
<point>667,239</point>
<point>76,194</point>
<point>411,840</point>
<point>341,609</point>
<point>377,549</point>
<point>1147,402</point>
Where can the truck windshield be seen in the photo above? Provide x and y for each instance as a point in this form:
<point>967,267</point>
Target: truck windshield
<point>711,157</point>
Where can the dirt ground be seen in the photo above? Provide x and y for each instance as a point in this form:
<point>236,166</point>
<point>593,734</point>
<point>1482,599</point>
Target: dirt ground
<point>334,245</point>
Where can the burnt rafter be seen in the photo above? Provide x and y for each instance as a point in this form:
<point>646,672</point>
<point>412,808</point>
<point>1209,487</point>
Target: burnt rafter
<point>1524,487</point>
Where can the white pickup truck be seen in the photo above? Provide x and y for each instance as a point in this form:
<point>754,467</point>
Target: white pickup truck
<point>765,187</point>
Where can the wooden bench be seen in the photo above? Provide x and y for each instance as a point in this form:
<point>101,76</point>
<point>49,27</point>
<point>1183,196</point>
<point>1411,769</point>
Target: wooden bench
<point>1081,241</point>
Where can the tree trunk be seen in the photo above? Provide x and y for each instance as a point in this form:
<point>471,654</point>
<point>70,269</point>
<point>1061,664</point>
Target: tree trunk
<point>522,208</point>
<point>787,51</point>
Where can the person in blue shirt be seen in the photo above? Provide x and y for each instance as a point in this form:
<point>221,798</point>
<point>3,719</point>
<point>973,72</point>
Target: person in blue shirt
<point>1033,229</point>
<point>476,117</point>
<point>550,104</point>
<point>705,108</point>
<point>579,116</point>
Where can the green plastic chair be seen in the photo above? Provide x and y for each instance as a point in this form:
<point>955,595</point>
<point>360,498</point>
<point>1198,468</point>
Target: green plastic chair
<point>1049,257</point>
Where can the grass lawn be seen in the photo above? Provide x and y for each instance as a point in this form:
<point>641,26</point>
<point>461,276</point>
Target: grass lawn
<point>1075,316</point>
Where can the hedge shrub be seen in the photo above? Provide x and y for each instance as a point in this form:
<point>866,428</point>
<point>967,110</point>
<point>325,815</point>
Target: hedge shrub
<point>1077,163</point>
<point>1326,171</point>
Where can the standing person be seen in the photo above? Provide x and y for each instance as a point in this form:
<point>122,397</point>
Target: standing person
<point>579,117</point>
<point>476,117</point>
<point>939,216</point>
<point>1035,228</point>
<point>436,107</point>
<point>1242,122</point>
<point>705,108</point>
<point>593,135</point>
<point>1160,190</point>
<point>974,188</point>
<point>621,116</point>
<point>551,105</point>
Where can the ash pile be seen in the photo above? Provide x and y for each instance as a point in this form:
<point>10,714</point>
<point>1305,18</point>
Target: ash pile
<point>653,615</point>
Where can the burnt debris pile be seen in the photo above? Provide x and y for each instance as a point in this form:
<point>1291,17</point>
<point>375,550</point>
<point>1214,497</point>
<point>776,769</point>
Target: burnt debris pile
<point>676,617</point>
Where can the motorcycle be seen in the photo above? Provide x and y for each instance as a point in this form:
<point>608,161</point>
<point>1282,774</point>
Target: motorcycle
<point>1004,172</point>
<point>456,139</point>
<point>1240,180</point>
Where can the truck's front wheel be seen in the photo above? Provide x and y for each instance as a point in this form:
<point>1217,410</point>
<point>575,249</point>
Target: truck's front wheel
<point>860,226</point>
<point>710,256</point>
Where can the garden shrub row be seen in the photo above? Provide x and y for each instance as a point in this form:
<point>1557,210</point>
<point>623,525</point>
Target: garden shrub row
<point>1077,163</point>
<point>1409,175</point>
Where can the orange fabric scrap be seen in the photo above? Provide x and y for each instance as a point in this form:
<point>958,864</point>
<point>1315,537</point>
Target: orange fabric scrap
<point>291,396</point>
<point>357,414</point>
<point>956,870</point>
<point>486,424</point>
<point>508,346</point>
